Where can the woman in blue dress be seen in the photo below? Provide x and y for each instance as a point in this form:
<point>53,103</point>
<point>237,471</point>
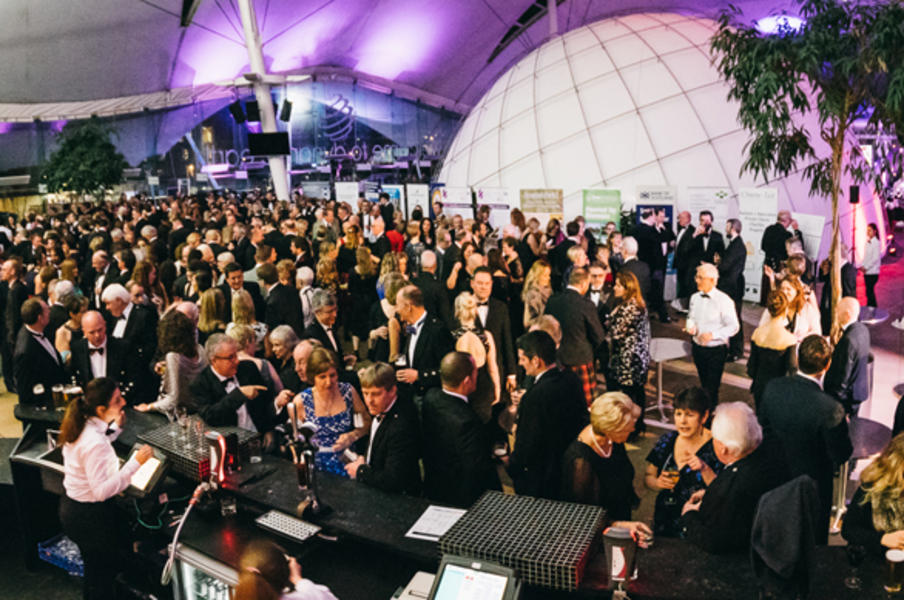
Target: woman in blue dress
<point>682,461</point>
<point>334,407</point>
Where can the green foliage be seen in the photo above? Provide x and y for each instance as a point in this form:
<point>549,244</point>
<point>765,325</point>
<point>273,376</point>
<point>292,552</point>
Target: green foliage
<point>86,161</point>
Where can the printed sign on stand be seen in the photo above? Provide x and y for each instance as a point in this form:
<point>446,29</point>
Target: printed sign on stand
<point>599,207</point>
<point>418,195</point>
<point>347,191</point>
<point>542,204</point>
<point>812,228</point>
<point>711,198</point>
<point>500,202</point>
<point>757,208</point>
<point>458,201</point>
<point>396,195</point>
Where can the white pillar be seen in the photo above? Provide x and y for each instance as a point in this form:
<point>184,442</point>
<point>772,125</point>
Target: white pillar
<point>262,93</point>
<point>553,18</point>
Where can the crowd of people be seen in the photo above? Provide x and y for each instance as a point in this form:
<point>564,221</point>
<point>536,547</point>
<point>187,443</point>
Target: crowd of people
<point>523,346</point>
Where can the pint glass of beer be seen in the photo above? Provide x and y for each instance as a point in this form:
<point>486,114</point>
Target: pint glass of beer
<point>894,570</point>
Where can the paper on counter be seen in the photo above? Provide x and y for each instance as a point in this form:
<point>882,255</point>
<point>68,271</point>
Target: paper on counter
<point>435,522</point>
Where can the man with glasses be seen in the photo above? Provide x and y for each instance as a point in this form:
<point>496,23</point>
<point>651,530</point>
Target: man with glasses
<point>229,392</point>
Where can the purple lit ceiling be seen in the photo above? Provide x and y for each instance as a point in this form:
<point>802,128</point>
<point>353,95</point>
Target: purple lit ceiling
<point>57,51</point>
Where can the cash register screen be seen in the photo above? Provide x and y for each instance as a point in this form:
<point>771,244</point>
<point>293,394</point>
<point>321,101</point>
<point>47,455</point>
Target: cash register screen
<point>148,475</point>
<point>145,472</point>
<point>457,582</point>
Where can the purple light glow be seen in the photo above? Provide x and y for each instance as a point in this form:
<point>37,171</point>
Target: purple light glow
<point>206,58</point>
<point>771,25</point>
<point>298,46</point>
<point>395,42</point>
<point>6,128</point>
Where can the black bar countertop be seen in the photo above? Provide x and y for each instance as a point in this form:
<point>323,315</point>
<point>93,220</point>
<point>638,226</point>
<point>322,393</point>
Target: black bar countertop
<point>378,521</point>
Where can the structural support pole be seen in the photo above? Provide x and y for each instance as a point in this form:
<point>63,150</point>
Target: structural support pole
<point>553,18</point>
<point>262,93</point>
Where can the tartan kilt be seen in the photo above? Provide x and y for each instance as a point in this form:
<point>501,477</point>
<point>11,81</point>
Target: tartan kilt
<point>587,374</point>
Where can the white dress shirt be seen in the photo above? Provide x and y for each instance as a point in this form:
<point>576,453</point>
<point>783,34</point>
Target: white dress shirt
<point>119,330</point>
<point>483,311</point>
<point>412,342</point>
<point>816,380</point>
<point>713,313</point>
<point>872,259</point>
<point>44,342</point>
<point>91,471</point>
<point>374,425</point>
<point>98,360</point>
<point>244,419</point>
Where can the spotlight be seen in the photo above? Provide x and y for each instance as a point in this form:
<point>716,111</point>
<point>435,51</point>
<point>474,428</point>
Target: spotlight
<point>285,112</point>
<point>238,113</point>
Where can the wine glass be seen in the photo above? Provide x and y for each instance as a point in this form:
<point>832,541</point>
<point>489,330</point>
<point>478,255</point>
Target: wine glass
<point>184,423</point>
<point>855,556</point>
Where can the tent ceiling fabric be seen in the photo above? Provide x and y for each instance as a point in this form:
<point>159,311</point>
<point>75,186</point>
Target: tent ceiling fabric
<point>101,49</point>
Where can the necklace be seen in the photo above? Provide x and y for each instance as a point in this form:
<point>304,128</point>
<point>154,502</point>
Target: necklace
<point>599,449</point>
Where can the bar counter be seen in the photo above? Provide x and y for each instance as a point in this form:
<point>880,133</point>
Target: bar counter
<point>368,556</point>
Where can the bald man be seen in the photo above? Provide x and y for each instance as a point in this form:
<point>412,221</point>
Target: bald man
<point>99,355</point>
<point>436,300</point>
<point>848,376</point>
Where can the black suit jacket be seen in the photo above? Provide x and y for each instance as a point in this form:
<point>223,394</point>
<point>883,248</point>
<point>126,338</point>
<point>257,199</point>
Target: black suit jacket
<point>848,288</point>
<point>283,307</point>
<point>16,296</point>
<point>140,338</point>
<point>90,278</point>
<point>451,256</point>
<point>723,523</point>
<point>244,253</point>
<point>773,245</point>
<point>848,376</point>
<point>436,299</point>
<point>649,246</point>
<point>558,260</point>
<point>315,331</point>
<point>500,325</point>
<point>433,343</point>
<point>33,365</point>
<point>254,290</point>
<point>731,268</point>
<point>457,463</point>
<point>218,408</point>
<point>810,428</point>
<point>582,331</point>
<point>550,416</point>
<point>58,316</point>
<point>699,254</point>
<point>380,246</point>
<point>395,452</point>
<point>641,270</point>
<point>116,355</point>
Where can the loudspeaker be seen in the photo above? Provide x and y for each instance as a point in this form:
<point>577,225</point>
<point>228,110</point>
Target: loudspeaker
<point>237,112</point>
<point>253,111</point>
<point>854,194</point>
<point>285,112</point>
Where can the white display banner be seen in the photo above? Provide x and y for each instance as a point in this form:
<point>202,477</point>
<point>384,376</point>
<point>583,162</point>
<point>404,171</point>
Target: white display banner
<point>660,195</point>
<point>713,199</point>
<point>757,208</point>
<point>418,195</point>
<point>347,191</point>
<point>812,228</point>
<point>396,195</point>
<point>458,201</point>
<point>501,203</point>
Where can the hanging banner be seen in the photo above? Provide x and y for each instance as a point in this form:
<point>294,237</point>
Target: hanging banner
<point>711,198</point>
<point>812,228</point>
<point>542,204</point>
<point>757,208</point>
<point>500,202</point>
<point>319,190</point>
<point>347,191</point>
<point>418,195</point>
<point>599,207</point>
<point>458,201</point>
<point>396,195</point>
<point>657,195</point>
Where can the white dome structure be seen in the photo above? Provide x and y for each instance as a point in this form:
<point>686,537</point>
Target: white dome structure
<point>627,101</point>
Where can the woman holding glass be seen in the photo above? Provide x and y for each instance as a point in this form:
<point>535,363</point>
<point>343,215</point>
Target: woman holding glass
<point>682,461</point>
<point>340,415</point>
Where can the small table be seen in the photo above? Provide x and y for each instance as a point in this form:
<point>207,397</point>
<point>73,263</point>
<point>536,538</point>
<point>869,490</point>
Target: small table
<point>662,350</point>
<point>868,437</point>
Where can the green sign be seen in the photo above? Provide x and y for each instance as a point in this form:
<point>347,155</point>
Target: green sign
<point>600,207</point>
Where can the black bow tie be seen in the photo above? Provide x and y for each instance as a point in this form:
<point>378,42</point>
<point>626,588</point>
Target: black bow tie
<point>39,335</point>
<point>487,303</point>
<point>704,295</point>
<point>96,351</point>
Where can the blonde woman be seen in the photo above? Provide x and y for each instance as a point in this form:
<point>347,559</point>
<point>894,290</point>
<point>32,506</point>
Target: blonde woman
<point>596,469</point>
<point>537,290</point>
<point>212,312</point>
<point>243,314</point>
<point>385,332</point>
<point>875,517</point>
<point>246,339</point>
<point>362,289</point>
<point>473,339</point>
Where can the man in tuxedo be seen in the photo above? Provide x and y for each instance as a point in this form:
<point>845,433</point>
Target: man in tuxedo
<point>15,296</point>
<point>426,342</point>
<point>101,273</point>
<point>558,256</point>
<point>59,289</point>
<point>731,281</point>
<point>451,253</point>
<point>848,377</point>
<point>380,246</point>
<point>326,308</point>
<point>848,287</point>
<point>634,265</point>
<point>773,246</point>
<point>300,356</point>
<point>711,321</point>
<point>265,254</point>
<point>582,332</point>
<point>283,304</point>
<point>705,244</point>
<point>457,456</point>
<point>235,281</point>
<point>98,355</point>
<point>436,300</point>
<point>37,366</point>
<point>808,425</point>
<point>326,226</point>
<point>393,452</point>
<point>684,272</point>
<point>387,210</point>
<point>231,393</point>
<point>494,317</point>
<point>136,325</point>
<point>665,238</point>
<point>550,416</point>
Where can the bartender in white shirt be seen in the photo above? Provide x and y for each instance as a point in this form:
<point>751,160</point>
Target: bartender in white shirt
<point>711,320</point>
<point>92,477</point>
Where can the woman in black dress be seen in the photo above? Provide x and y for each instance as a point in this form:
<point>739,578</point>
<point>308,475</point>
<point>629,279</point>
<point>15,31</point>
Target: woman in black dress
<point>362,294</point>
<point>629,339</point>
<point>772,347</point>
<point>470,337</point>
<point>682,461</point>
<point>379,315</point>
<point>596,469</point>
